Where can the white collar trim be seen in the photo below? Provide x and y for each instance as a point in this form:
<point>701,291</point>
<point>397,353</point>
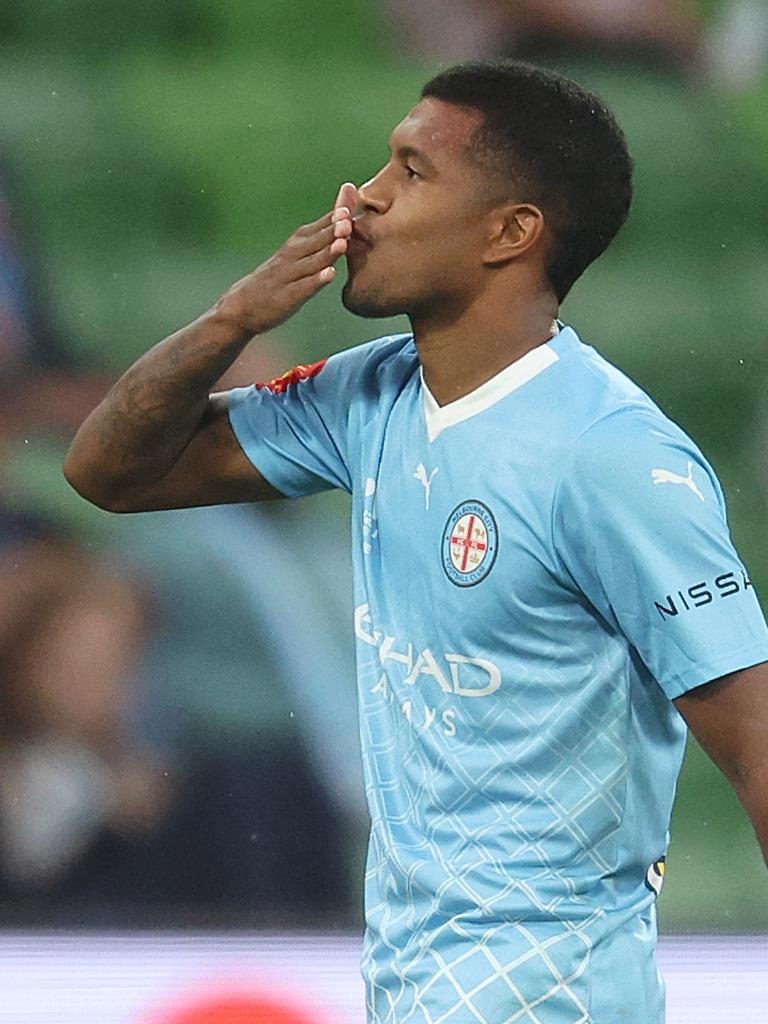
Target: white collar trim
<point>440,417</point>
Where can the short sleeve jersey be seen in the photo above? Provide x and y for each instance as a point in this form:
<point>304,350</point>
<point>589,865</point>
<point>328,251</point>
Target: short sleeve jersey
<point>541,567</point>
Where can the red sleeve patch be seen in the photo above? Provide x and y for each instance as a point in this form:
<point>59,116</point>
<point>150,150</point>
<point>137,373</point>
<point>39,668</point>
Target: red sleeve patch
<point>280,384</point>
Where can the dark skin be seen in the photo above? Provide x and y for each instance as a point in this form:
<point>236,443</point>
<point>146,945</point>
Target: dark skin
<point>430,236</point>
<point>729,718</point>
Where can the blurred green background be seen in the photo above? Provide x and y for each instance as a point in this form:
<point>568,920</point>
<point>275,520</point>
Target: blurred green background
<point>163,149</point>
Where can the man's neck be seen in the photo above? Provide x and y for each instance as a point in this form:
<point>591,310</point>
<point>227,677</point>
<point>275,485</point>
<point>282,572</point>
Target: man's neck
<point>459,356</point>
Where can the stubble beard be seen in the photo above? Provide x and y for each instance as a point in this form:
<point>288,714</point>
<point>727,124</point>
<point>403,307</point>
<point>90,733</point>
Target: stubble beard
<point>369,305</point>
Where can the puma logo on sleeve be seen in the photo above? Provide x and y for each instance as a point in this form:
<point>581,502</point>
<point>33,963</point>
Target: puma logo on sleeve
<point>666,476</point>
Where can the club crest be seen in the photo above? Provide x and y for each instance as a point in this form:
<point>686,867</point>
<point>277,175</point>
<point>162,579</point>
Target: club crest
<point>470,544</point>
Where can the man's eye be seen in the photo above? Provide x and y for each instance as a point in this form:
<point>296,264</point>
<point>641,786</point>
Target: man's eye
<point>411,172</point>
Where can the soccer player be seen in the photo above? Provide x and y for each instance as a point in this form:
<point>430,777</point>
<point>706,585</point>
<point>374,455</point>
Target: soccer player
<point>545,586</point>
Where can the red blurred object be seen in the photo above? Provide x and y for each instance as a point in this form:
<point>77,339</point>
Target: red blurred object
<point>235,1010</point>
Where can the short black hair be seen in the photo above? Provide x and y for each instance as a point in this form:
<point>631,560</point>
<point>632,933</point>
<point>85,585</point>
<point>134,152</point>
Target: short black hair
<point>557,145</point>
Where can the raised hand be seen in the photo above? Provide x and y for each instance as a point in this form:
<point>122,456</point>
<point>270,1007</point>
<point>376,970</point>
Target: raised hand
<point>297,271</point>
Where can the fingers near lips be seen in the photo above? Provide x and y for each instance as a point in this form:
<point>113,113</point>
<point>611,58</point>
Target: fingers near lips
<point>308,230</point>
<point>342,231</point>
<point>324,241</point>
<point>344,210</point>
<point>343,228</point>
<point>347,197</point>
<point>339,220</point>
<point>323,253</point>
<point>321,238</point>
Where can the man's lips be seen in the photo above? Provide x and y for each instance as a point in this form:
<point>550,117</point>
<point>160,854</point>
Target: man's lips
<point>360,236</point>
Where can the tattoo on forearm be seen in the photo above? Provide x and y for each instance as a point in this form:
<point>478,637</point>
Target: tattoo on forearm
<point>151,413</point>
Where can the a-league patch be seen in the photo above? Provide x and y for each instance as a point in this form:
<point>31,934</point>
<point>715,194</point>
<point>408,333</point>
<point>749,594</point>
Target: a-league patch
<point>470,544</point>
<point>654,876</point>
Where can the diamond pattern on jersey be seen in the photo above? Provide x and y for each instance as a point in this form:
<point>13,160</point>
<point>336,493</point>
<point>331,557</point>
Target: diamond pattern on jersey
<point>473,902</point>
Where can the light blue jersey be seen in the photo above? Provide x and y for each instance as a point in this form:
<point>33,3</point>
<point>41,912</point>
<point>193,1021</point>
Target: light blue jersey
<point>540,568</point>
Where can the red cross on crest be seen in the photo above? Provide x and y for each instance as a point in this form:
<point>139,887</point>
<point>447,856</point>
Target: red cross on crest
<point>469,543</point>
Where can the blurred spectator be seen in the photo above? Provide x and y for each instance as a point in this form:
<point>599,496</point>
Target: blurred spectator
<point>737,45</point>
<point>656,31</point>
<point>651,31</point>
<point>101,818</point>
<point>457,31</point>
<point>71,632</point>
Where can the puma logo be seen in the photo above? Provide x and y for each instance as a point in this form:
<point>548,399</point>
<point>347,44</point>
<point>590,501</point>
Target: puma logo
<point>666,476</point>
<point>421,476</point>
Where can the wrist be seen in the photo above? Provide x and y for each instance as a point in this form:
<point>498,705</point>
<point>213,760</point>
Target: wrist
<point>229,316</point>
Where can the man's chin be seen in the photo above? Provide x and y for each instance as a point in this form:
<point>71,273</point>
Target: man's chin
<point>371,307</point>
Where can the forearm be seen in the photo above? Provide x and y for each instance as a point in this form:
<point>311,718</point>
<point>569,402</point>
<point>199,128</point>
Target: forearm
<point>136,434</point>
<point>761,831</point>
<point>729,718</point>
<point>151,438</point>
<point>754,797</point>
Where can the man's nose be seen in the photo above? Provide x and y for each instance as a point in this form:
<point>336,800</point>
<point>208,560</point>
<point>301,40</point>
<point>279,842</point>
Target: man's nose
<point>372,195</point>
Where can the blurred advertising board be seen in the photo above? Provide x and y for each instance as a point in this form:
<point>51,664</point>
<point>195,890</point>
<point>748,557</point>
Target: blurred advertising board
<point>244,978</point>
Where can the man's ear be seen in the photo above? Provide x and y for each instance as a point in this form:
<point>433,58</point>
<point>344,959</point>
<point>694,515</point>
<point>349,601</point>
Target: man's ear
<point>514,229</point>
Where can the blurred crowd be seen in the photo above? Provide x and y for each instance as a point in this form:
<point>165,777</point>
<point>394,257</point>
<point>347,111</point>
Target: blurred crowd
<point>118,799</point>
<point>164,750</point>
<point>667,34</point>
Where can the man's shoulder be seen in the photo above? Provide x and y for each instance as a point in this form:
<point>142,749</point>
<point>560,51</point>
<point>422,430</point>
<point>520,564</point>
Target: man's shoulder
<point>622,454</point>
<point>609,427</point>
<point>394,354</point>
<point>587,396</point>
<point>604,405</point>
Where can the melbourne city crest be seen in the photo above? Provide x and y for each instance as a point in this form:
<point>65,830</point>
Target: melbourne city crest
<point>470,544</point>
